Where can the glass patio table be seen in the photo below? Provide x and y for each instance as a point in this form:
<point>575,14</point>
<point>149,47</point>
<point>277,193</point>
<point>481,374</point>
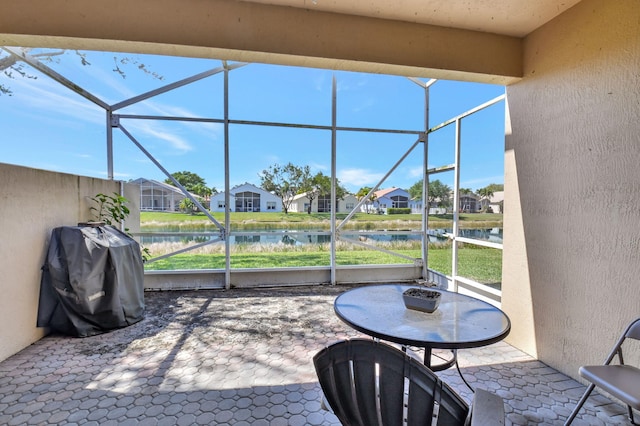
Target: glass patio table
<point>459,322</point>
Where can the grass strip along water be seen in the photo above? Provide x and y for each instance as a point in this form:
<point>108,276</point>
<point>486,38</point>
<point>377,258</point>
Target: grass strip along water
<point>268,220</point>
<point>480,264</point>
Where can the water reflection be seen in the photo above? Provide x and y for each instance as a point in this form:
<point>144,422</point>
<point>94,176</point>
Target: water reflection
<point>314,237</point>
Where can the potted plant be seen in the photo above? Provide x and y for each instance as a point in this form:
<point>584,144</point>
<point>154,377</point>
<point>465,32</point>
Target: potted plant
<point>424,300</point>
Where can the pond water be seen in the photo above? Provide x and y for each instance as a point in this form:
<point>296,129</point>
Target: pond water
<point>290,237</point>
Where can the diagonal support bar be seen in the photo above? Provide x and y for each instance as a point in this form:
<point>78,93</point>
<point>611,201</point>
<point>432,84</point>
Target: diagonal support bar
<point>34,62</point>
<point>184,250</point>
<point>175,182</point>
<point>467,113</point>
<point>169,87</point>
<point>375,188</point>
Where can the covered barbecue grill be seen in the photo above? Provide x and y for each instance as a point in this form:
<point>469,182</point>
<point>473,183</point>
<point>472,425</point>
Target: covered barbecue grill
<point>92,281</point>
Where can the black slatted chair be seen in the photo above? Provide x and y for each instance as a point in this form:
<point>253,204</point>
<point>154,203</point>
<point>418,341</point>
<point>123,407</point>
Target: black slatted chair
<point>368,383</point>
<point>619,380</point>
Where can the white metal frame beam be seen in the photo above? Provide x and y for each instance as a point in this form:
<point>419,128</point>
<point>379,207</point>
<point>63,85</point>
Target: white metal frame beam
<point>113,121</point>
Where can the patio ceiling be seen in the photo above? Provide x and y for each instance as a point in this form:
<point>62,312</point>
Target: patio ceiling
<point>515,18</point>
<point>471,40</point>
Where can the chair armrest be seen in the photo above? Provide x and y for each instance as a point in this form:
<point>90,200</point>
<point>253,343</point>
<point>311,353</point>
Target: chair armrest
<point>487,409</point>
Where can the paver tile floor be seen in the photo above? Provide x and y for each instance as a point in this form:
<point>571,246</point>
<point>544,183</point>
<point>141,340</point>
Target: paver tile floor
<point>243,357</point>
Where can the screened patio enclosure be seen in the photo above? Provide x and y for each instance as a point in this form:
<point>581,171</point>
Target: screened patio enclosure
<point>431,143</point>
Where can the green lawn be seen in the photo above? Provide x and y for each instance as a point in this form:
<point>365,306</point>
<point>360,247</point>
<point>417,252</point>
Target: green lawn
<point>480,264</point>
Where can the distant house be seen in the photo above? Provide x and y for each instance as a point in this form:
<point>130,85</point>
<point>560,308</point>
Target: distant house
<point>396,198</point>
<point>469,203</point>
<point>494,202</point>
<point>159,196</point>
<point>416,205</point>
<point>322,204</point>
<point>247,198</point>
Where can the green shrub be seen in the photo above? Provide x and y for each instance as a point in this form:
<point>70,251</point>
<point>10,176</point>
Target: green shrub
<point>396,210</point>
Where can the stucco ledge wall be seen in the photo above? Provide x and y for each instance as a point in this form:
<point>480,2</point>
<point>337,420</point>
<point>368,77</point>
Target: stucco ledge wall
<point>32,203</point>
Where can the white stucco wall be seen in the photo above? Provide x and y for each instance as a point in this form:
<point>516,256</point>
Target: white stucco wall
<point>32,203</point>
<point>571,266</point>
<point>348,199</point>
<point>247,187</point>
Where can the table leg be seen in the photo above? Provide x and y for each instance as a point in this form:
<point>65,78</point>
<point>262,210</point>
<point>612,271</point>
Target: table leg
<point>427,357</point>
<point>442,366</point>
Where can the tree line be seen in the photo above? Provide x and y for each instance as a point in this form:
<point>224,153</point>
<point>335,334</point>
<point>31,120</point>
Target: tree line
<point>287,181</point>
<point>290,180</point>
<point>439,194</point>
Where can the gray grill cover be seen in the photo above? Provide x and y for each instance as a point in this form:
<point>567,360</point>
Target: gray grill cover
<point>92,281</point>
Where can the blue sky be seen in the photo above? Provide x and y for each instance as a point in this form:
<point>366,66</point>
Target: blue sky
<point>47,126</point>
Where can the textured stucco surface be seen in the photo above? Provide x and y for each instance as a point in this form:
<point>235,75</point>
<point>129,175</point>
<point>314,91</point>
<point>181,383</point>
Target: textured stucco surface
<point>32,203</point>
<point>250,32</point>
<point>572,190</point>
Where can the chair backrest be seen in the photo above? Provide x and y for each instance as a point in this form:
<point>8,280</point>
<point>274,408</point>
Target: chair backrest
<point>370,383</point>
<point>633,331</point>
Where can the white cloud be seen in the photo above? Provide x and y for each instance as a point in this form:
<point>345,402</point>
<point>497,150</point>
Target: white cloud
<point>317,166</point>
<point>367,104</point>
<point>481,182</point>
<point>346,84</point>
<point>45,94</point>
<point>415,172</point>
<point>107,81</point>
<point>319,82</point>
<point>157,131</point>
<point>359,177</point>
<point>208,130</point>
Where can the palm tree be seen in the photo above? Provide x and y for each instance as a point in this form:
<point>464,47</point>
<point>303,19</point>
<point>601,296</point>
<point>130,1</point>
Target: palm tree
<point>485,194</point>
<point>202,190</point>
<point>187,206</point>
<point>362,192</point>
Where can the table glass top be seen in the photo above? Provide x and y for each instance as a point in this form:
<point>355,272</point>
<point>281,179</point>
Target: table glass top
<point>459,322</point>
